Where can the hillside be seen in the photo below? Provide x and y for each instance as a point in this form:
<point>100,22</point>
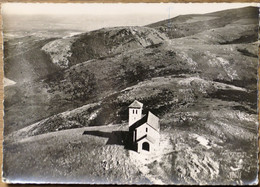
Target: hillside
<point>24,60</point>
<point>102,79</point>
<point>93,147</point>
<point>93,163</point>
<point>187,25</point>
<point>199,76</point>
<point>106,42</point>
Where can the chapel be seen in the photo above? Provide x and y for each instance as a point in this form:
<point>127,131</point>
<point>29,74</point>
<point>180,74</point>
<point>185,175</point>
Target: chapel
<point>143,129</point>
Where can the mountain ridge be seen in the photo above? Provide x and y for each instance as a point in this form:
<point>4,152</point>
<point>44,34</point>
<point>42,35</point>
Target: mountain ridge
<point>221,19</point>
<point>160,56</point>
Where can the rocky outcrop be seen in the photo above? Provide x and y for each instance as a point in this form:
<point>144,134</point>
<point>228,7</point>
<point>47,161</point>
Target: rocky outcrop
<point>101,43</point>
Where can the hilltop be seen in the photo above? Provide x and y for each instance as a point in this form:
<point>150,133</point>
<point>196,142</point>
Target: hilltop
<point>187,25</point>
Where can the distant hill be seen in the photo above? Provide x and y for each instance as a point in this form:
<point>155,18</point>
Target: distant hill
<point>187,25</point>
<point>102,63</point>
<point>106,42</point>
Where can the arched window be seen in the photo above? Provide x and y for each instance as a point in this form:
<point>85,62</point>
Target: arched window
<point>146,146</point>
<point>136,111</point>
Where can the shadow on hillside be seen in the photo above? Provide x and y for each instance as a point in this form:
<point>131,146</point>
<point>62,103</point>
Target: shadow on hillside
<point>114,137</point>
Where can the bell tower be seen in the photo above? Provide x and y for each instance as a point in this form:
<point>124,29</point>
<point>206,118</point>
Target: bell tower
<point>135,112</point>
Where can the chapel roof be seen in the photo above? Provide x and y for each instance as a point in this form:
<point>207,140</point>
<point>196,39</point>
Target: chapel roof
<point>150,119</point>
<point>149,138</point>
<point>153,121</point>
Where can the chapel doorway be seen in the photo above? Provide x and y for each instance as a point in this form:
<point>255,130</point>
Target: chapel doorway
<point>146,146</point>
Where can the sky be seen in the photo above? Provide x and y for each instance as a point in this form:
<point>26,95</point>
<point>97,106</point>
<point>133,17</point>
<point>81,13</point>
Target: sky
<point>117,8</point>
<point>99,15</point>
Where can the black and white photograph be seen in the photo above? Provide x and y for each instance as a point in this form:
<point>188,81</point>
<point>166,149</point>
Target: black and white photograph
<point>130,93</point>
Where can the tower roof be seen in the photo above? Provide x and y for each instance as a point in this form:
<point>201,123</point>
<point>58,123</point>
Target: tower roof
<point>136,104</point>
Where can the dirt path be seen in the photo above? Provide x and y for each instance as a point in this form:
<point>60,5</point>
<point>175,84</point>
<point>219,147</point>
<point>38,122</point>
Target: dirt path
<point>142,161</point>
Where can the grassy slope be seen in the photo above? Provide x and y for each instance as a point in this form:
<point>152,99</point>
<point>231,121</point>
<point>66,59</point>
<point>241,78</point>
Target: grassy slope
<point>165,93</point>
<point>97,79</point>
<point>179,113</point>
<point>87,158</point>
<point>106,42</point>
<point>187,25</point>
<point>25,61</point>
<point>94,161</point>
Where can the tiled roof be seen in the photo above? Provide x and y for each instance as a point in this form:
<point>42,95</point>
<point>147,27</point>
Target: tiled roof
<point>138,123</point>
<point>153,121</point>
<point>136,104</point>
<point>149,138</point>
<point>150,119</point>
